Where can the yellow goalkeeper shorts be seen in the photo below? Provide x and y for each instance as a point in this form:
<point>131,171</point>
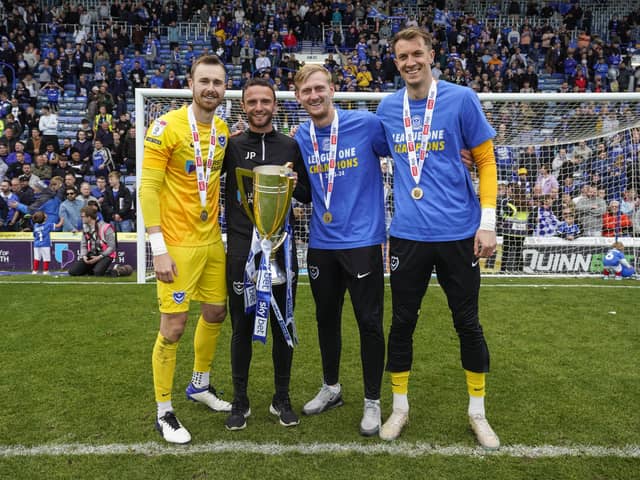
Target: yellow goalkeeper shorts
<point>201,277</point>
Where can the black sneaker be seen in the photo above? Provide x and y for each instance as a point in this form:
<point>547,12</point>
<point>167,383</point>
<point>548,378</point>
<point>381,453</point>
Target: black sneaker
<point>237,420</point>
<point>282,408</point>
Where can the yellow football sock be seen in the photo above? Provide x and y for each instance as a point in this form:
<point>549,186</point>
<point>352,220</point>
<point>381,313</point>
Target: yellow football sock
<point>400,382</point>
<point>163,362</point>
<point>205,341</point>
<point>475,383</point>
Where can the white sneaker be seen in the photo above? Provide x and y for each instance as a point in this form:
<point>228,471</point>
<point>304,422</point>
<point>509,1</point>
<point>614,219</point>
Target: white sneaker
<point>46,272</point>
<point>487,438</point>
<point>394,425</point>
<point>209,397</point>
<point>324,400</point>
<point>172,430</point>
<point>371,418</point>
<point>34,272</point>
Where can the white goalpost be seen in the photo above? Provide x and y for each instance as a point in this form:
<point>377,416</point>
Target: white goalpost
<point>582,139</point>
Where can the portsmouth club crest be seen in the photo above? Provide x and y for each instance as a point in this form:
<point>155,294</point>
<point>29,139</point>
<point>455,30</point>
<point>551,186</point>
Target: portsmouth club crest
<point>158,127</point>
<point>416,122</point>
<point>238,288</point>
<point>314,271</point>
<point>326,144</point>
<point>179,296</point>
<point>222,140</point>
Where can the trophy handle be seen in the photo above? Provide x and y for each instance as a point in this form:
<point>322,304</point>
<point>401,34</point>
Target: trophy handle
<point>241,174</point>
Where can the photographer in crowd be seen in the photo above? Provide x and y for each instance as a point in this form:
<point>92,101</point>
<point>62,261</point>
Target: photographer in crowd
<point>97,247</point>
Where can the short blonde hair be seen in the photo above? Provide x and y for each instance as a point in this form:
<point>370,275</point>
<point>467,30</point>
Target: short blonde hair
<point>306,71</point>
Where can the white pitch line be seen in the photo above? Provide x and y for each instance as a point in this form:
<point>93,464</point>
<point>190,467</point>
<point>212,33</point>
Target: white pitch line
<point>396,449</point>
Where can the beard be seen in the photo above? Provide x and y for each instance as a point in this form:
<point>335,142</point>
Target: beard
<point>259,121</point>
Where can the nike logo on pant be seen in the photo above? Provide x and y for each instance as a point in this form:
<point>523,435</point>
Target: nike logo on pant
<point>362,275</point>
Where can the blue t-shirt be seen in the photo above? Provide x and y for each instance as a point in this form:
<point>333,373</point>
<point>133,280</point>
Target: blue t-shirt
<point>357,201</point>
<point>449,209</point>
<point>613,258</point>
<point>42,234</point>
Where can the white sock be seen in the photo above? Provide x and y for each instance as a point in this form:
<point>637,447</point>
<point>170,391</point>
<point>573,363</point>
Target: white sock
<point>200,379</point>
<point>400,402</point>
<point>476,405</point>
<point>163,408</point>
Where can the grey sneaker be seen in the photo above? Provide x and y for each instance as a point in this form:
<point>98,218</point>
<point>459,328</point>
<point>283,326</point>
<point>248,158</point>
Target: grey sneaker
<point>324,400</point>
<point>371,418</point>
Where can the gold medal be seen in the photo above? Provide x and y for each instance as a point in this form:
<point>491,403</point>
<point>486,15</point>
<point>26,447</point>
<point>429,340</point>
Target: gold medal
<point>327,217</point>
<point>204,215</point>
<point>416,193</point>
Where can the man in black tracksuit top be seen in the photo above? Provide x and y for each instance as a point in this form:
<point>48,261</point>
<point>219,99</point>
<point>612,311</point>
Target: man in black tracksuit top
<point>259,145</point>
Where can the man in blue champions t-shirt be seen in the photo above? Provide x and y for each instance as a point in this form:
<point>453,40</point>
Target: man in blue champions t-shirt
<point>340,149</point>
<point>438,221</point>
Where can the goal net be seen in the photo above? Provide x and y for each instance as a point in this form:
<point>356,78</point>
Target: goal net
<point>568,171</point>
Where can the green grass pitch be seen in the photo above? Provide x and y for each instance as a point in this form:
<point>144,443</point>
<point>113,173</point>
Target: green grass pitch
<point>76,373</point>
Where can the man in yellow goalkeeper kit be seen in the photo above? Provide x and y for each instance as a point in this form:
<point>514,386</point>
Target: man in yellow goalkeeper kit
<point>179,196</point>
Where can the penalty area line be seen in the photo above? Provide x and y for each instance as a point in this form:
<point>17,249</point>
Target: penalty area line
<point>396,449</point>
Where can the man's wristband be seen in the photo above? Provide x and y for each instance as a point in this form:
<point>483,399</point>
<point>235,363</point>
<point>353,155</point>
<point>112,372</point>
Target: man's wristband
<point>158,247</point>
<point>488,219</point>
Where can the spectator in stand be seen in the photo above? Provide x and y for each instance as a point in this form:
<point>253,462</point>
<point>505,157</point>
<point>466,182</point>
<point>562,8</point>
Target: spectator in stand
<point>83,146</point>
<point>546,221</point>
<point>290,41</point>
<point>136,75</point>
<point>127,151</point>
<point>62,168</point>
<point>41,168</point>
<point>172,80</point>
<point>48,125</point>
<point>85,194</point>
<point>35,144</point>
<point>18,149</point>
<point>105,135</point>
<point>69,211</point>
<point>568,228</point>
<point>99,190</point>
<point>590,211</point>
<point>546,182</point>
<point>28,178</point>
<point>517,224</point>
<point>102,161</point>
<point>615,223</point>
<point>9,139</point>
<point>117,204</point>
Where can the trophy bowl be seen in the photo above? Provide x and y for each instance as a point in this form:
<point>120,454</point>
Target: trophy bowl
<point>272,192</point>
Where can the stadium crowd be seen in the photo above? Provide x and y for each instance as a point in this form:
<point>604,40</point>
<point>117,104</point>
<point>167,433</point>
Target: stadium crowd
<point>108,49</point>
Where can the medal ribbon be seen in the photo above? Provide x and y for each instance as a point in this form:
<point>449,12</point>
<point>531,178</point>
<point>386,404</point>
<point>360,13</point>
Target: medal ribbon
<point>417,161</point>
<point>333,148</point>
<point>202,175</point>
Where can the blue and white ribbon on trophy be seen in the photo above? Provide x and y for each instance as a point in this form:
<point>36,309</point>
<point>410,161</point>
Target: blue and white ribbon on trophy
<point>258,296</point>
